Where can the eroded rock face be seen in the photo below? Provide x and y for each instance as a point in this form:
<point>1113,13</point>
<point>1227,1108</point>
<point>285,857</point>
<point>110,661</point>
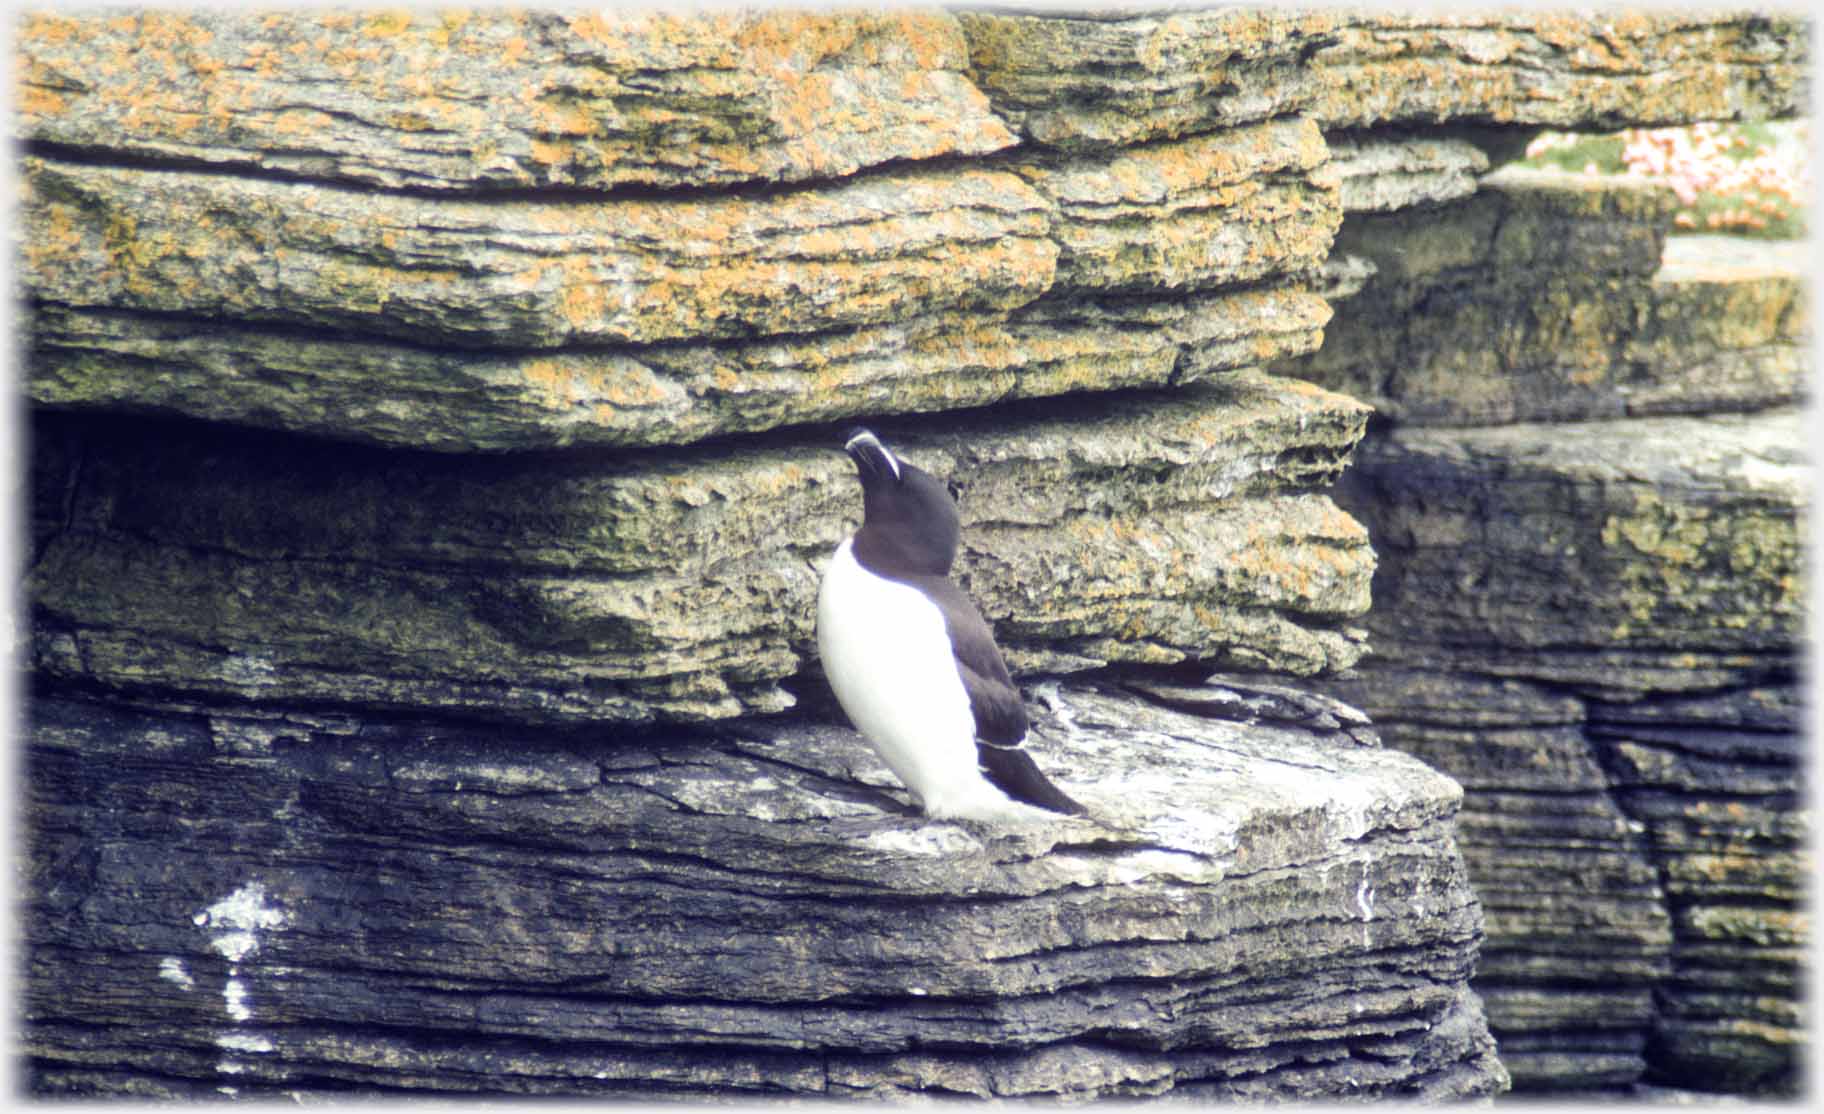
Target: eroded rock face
<point>1119,77</point>
<point>1593,626</point>
<point>746,911</point>
<point>1552,297</point>
<point>454,401</point>
<point>494,100</point>
<point>681,585</point>
<point>534,324</point>
<point>530,274</point>
<point>407,706</point>
<point>1594,537</point>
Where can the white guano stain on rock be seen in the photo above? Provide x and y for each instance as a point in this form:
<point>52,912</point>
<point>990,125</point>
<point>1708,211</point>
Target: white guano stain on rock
<point>234,999</point>
<point>236,921</point>
<point>244,1042</point>
<point>931,841</point>
<point>235,924</point>
<point>171,969</point>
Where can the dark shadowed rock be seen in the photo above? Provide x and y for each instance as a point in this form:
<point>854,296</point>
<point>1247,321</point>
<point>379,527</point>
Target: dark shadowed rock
<point>680,585</point>
<point>749,911</point>
<point>1630,760</point>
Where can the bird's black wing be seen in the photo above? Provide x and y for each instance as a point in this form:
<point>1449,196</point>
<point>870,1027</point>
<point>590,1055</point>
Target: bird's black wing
<point>1000,714</point>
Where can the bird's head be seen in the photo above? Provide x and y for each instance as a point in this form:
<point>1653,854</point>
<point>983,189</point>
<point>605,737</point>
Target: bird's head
<point>908,511</point>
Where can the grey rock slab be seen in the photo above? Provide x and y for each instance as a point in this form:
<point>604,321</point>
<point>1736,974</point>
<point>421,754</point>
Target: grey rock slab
<point>1599,673</point>
<point>1768,707</point>
<point>1643,534</point>
<point>1382,171</point>
<point>321,902</point>
<point>1417,696</point>
<point>1249,698</point>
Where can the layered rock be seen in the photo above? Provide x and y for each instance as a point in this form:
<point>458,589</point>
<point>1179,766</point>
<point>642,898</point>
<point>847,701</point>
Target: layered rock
<point>1255,912</point>
<point>455,317</point>
<point>1593,624</point>
<point>1558,298</point>
<point>1383,171</point>
<point>1717,782</point>
<point>452,401</point>
<point>1125,76</point>
<point>496,100</point>
<point>654,322</point>
<point>679,585</point>
<point>430,475</point>
<point>530,274</point>
<point>1611,540</point>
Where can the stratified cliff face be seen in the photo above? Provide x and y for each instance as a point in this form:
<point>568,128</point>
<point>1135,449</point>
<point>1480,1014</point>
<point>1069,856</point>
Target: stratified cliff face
<point>434,450</point>
<point>1587,508</point>
<point>290,904</point>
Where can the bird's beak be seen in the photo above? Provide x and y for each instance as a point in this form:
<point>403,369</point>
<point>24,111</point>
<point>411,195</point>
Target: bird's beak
<point>871,457</point>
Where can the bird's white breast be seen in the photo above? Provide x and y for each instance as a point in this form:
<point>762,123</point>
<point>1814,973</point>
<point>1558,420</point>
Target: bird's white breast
<point>888,658</point>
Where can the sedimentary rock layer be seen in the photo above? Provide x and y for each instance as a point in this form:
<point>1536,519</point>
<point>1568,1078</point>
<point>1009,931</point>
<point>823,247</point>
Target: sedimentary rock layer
<point>1080,83</point>
<point>1110,79</point>
<point>1728,327</point>
<point>486,100</point>
<point>1673,536</point>
<point>1716,782</point>
<point>1593,626</point>
<point>419,397</point>
<point>1641,863</point>
<point>1555,297</point>
<point>1232,206</point>
<point>1561,69</point>
<point>680,584</point>
<point>741,912</point>
<point>1383,171</point>
<point>521,323</point>
<point>531,274</point>
<point>1579,931</point>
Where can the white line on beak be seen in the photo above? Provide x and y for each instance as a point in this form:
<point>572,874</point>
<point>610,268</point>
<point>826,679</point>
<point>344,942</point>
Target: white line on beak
<point>867,438</point>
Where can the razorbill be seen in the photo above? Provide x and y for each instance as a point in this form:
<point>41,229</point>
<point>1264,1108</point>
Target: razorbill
<point>911,659</point>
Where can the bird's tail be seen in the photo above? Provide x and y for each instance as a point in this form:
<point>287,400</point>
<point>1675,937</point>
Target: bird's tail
<point>1014,772</point>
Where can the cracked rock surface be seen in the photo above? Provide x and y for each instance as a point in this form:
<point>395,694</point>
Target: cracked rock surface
<point>680,585</point>
<point>1253,911</point>
<point>433,452</point>
<point>1587,503</point>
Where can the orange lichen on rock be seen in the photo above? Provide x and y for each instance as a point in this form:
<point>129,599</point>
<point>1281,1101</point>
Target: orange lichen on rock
<point>765,95</point>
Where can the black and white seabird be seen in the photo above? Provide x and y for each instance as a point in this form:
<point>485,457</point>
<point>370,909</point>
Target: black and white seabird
<point>913,662</point>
